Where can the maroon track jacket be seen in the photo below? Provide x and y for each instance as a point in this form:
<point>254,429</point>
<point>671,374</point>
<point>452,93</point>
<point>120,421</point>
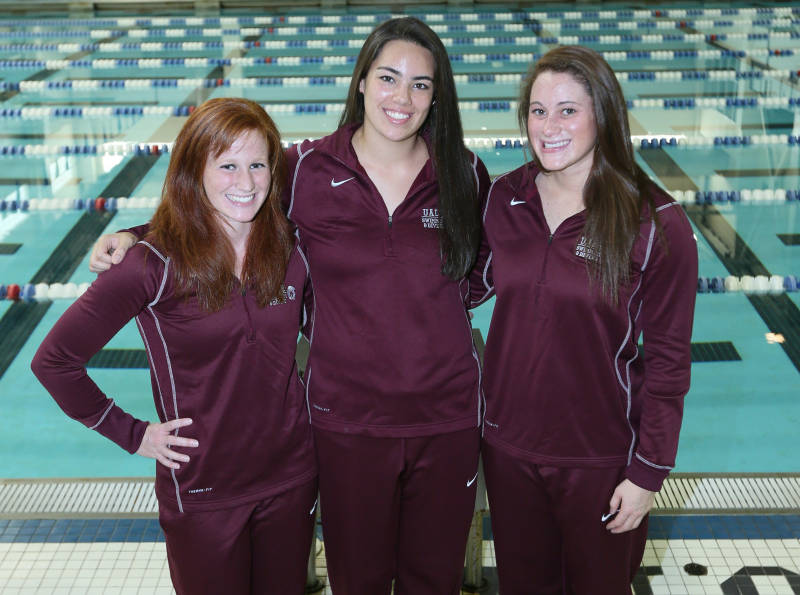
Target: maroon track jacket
<point>565,383</point>
<point>391,345</point>
<point>233,372</point>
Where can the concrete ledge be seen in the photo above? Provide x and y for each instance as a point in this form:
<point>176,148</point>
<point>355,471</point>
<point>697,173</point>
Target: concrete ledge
<point>134,497</point>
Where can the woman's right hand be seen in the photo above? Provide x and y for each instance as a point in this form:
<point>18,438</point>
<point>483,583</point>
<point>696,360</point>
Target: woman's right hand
<point>109,250</point>
<point>158,438</point>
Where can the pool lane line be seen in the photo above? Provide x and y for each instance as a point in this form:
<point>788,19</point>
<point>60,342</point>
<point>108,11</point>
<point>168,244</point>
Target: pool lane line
<point>779,312</point>
<point>45,73</point>
<point>22,317</point>
<point>200,94</point>
<point>759,172</point>
<point>20,320</point>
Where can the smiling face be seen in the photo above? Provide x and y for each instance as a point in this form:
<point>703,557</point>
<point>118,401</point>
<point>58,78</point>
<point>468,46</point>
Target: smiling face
<point>561,125</point>
<point>237,181</point>
<point>398,91</point>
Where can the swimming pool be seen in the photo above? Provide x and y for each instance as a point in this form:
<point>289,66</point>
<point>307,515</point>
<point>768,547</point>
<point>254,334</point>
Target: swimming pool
<point>89,111</point>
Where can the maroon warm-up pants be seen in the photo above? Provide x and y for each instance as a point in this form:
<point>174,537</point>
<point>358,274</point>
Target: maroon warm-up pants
<point>548,534</point>
<point>259,548</point>
<point>396,508</point>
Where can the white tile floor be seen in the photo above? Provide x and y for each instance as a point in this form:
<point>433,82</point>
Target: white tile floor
<point>90,568</point>
<point>31,565</point>
<point>723,558</point>
<point>141,568</point>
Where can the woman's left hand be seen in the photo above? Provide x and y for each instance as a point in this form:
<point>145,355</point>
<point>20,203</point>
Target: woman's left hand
<point>633,503</point>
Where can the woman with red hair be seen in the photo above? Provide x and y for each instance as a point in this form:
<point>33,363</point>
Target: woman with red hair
<point>216,289</point>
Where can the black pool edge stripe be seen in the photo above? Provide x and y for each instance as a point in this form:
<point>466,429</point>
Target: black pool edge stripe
<point>707,351</point>
<point>713,351</point>
<point>6,248</point>
<point>119,359</point>
<point>760,172</point>
<point>779,312</point>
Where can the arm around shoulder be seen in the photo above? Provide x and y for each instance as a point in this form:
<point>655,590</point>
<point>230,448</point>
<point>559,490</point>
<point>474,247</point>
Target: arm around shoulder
<point>111,248</point>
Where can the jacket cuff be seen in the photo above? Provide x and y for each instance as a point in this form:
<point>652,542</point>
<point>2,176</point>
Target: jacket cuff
<point>122,428</point>
<point>645,476</point>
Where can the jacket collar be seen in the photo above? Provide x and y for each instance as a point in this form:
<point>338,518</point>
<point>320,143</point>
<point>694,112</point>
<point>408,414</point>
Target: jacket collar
<point>339,145</point>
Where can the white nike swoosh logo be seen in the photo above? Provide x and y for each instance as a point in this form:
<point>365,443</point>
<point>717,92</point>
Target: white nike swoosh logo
<point>334,184</point>
<point>514,201</point>
<point>605,517</point>
<point>471,481</point>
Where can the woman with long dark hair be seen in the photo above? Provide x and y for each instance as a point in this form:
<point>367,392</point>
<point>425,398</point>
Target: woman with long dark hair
<point>585,255</point>
<point>216,289</point>
<point>387,210</point>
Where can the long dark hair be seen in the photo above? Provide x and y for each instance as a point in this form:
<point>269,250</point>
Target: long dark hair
<point>458,206</point>
<point>185,225</point>
<point>617,189</point>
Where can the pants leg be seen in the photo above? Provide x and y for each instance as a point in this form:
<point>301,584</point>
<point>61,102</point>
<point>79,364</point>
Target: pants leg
<point>548,533</point>
<point>527,538</point>
<point>258,548</point>
<point>280,533</point>
<point>595,560</point>
<point>438,501</point>
<point>359,498</point>
<point>208,552</point>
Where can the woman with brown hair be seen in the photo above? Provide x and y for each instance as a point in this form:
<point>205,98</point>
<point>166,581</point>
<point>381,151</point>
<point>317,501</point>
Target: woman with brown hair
<point>585,255</point>
<point>216,289</point>
<point>387,210</point>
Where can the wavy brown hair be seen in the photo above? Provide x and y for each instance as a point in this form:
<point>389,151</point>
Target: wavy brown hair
<point>460,233</point>
<point>185,224</point>
<point>617,189</point>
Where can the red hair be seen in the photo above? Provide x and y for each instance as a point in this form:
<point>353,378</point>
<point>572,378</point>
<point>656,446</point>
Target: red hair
<point>185,225</point>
